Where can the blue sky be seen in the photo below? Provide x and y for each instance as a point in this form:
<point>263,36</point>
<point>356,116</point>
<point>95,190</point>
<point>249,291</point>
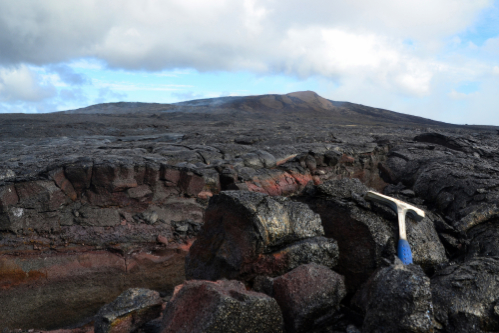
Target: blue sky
<point>437,59</point>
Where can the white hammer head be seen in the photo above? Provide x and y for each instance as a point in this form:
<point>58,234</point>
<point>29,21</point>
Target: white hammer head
<point>400,207</point>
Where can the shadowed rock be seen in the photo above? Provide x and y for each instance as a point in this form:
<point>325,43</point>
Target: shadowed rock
<point>367,233</point>
<point>309,296</point>
<point>129,311</point>
<point>396,299</point>
<point>247,234</point>
<point>465,296</point>
<point>220,307</point>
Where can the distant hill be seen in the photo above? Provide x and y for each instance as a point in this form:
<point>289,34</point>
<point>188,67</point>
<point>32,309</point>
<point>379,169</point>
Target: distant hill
<point>297,104</point>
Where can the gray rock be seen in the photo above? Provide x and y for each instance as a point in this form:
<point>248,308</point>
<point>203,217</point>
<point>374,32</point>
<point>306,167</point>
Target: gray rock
<point>408,193</point>
<point>99,217</point>
<point>465,296</point>
<point>259,159</point>
<point>240,227</point>
<point>451,183</point>
<point>220,307</point>
<point>129,311</point>
<point>396,299</point>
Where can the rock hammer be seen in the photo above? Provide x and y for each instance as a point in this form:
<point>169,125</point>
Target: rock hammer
<point>401,208</point>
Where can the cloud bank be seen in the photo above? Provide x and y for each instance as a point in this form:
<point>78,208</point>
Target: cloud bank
<point>403,48</point>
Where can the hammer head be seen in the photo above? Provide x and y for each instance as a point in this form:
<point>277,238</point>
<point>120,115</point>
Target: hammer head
<point>401,208</point>
<point>397,205</point>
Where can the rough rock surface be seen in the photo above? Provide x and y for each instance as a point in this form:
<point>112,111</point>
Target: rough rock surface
<point>455,173</point>
<point>309,296</point>
<point>465,296</point>
<point>247,234</point>
<point>220,307</point>
<point>367,233</point>
<point>396,299</point>
<point>129,311</point>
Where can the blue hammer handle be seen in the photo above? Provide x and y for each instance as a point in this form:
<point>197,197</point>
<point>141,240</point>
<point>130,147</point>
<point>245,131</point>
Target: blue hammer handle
<point>404,251</point>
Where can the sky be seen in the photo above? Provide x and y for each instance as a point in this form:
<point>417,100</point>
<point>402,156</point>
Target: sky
<point>437,59</point>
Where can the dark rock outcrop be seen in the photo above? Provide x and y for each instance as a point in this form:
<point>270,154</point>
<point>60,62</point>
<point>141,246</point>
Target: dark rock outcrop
<point>454,175</point>
<point>396,299</point>
<point>465,296</point>
<point>220,307</point>
<point>247,234</point>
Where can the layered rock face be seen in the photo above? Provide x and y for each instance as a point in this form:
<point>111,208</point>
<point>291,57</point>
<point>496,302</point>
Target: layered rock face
<point>84,218</point>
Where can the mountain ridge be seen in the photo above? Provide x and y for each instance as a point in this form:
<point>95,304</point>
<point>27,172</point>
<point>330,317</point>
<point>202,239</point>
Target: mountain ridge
<point>300,104</point>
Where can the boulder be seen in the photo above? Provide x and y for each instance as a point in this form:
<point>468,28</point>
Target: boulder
<point>367,233</point>
<point>396,299</point>
<point>466,296</point>
<point>222,306</point>
<point>247,234</point>
<point>129,311</point>
<point>309,296</point>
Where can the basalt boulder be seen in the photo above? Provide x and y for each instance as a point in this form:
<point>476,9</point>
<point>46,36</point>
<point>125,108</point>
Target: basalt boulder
<point>220,307</point>
<point>367,233</point>
<point>396,299</point>
<point>247,234</point>
<point>309,296</point>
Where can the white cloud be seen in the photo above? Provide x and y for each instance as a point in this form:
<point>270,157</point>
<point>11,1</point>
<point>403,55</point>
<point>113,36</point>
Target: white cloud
<point>460,95</point>
<point>495,70</point>
<point>23,84</point>
<point>358,44</point>
<point>209,35</point>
